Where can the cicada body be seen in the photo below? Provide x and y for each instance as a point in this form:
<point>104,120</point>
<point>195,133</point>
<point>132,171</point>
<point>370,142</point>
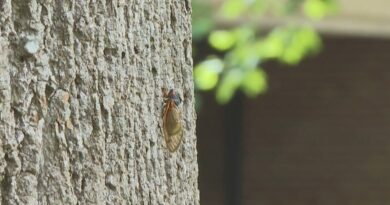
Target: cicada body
<point>172,127</point>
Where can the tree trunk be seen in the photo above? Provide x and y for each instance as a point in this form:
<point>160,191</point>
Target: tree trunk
<point>81,102</point>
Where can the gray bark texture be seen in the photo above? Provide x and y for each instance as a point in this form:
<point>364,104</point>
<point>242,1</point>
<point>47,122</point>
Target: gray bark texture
<point>81,102</point>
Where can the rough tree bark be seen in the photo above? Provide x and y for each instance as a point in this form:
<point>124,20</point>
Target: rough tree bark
<point>81,102</point>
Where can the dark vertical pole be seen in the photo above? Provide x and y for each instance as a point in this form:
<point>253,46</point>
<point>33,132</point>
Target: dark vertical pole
<point>234,150</point>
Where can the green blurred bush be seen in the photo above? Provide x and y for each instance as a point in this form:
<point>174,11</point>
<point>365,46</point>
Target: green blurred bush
<point>243,49</point>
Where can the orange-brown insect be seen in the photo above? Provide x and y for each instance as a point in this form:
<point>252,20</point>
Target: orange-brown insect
<point>172,128</point>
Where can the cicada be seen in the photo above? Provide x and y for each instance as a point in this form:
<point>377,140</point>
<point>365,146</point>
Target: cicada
<point>172,127</point>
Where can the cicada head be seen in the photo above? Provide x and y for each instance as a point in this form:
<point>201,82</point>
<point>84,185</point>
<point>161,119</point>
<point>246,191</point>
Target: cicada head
<point>172,95</point>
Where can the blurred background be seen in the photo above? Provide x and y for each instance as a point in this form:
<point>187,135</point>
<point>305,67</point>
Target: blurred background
<point>293,101</point>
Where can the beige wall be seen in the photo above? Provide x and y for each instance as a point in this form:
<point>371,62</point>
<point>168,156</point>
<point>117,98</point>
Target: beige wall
<point>355,18</point>
<point>359,17</point>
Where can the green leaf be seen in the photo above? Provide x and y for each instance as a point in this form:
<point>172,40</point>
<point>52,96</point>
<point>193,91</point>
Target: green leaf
<point>254,82</point>
<point>270,47</point>
<point>303,41</point>
<point>244,56</point>
<point>317,9</point>
<point>259,6</point>
<point>206,74</point>
<point>233,8</point>
<point>244,34</point>
<point>292,6</point>
<point>230,82</point>
<point>222,40</point>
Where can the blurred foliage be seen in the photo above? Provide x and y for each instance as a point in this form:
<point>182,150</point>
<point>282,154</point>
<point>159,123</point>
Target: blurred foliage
<point>240,50</point>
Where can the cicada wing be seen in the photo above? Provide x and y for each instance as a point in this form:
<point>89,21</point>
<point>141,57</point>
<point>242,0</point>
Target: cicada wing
<point>174,141</point>
<point>173,132</point>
